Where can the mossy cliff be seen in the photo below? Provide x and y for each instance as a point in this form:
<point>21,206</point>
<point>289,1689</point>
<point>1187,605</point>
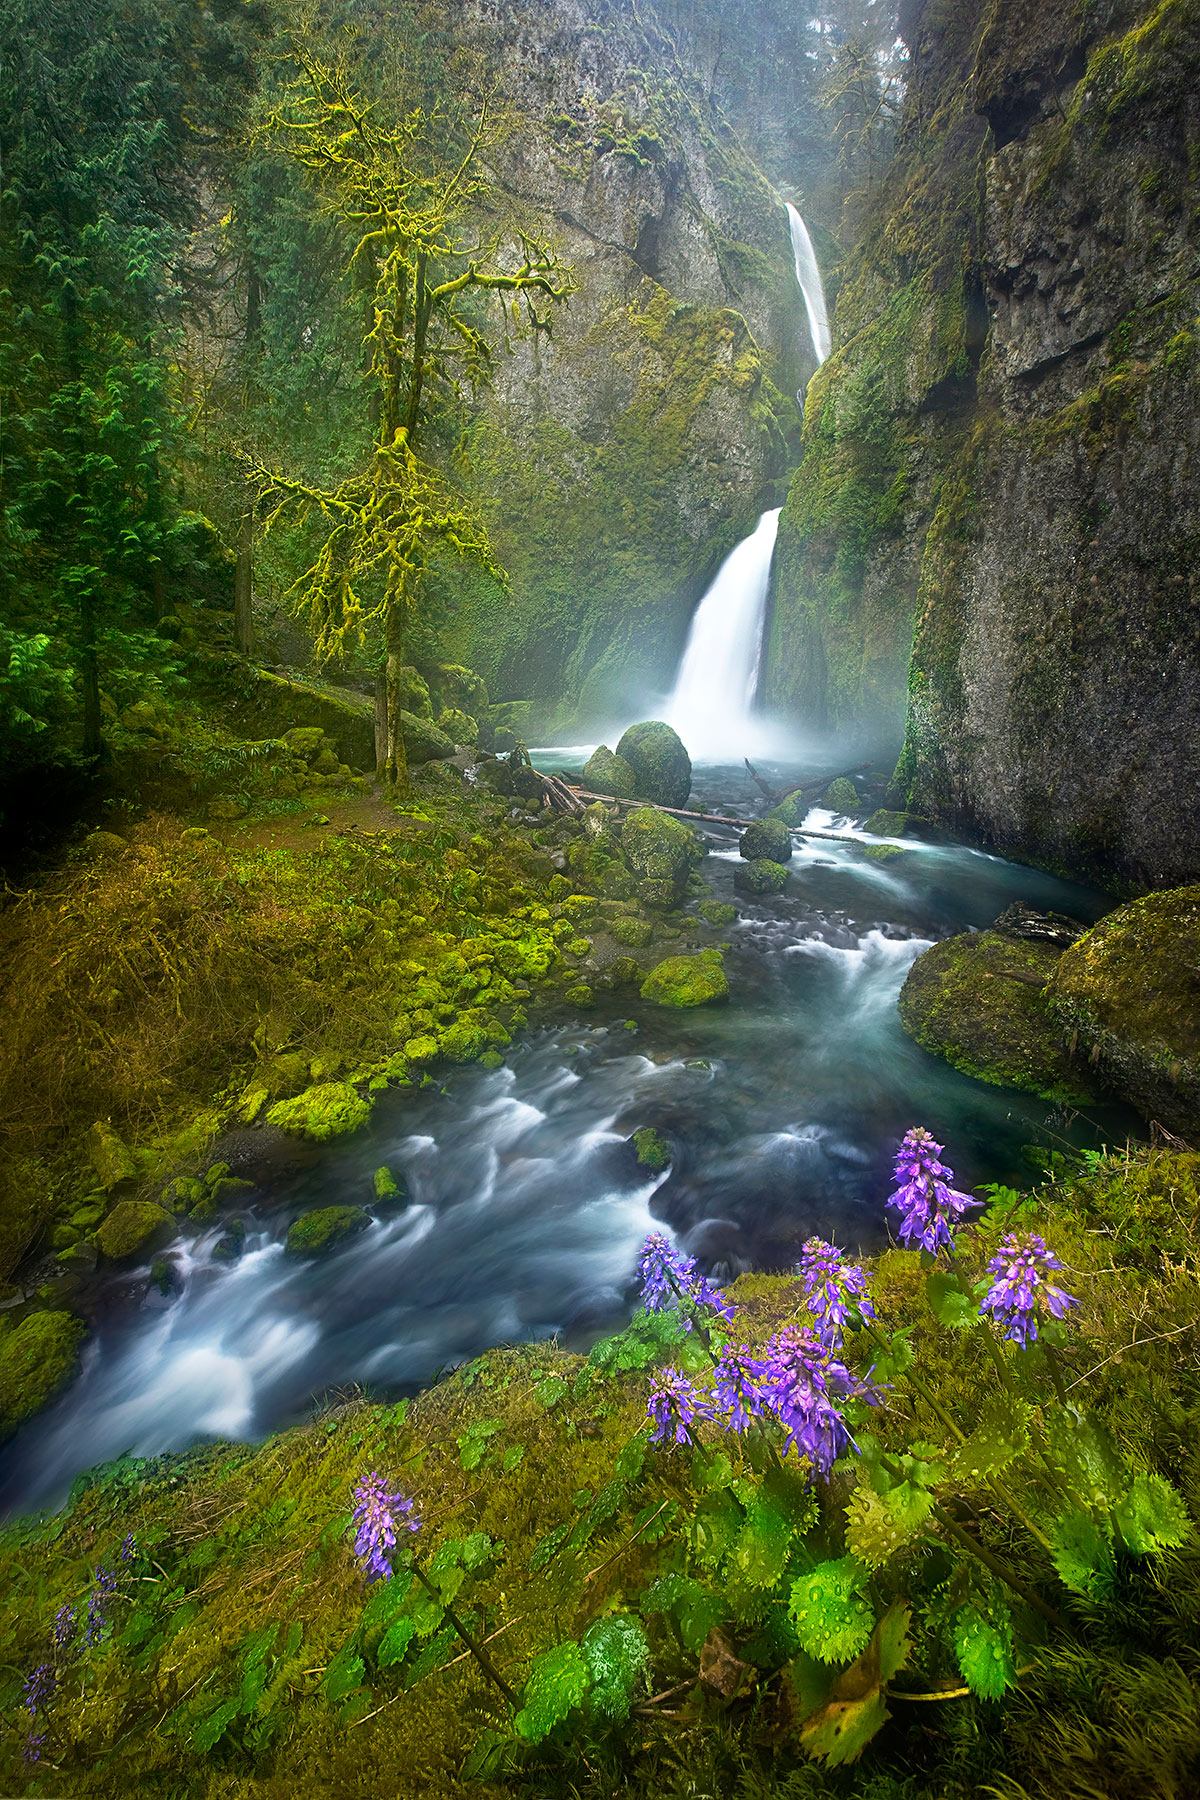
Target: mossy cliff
<point>1000,456</point>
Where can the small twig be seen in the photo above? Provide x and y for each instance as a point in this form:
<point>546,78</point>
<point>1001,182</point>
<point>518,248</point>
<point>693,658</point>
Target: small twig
<point>667,1694</point>
<point>959,1693</point>
<point>1137,1344</point>
<point>600,1567</point>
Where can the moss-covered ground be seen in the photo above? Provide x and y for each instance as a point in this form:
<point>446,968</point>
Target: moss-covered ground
<point>239,1651</point>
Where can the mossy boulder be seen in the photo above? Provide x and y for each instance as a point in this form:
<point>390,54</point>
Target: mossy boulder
<point>1128,994</point>
<point>315,1233</point>
<point>329,1110</point>
<point>762,876</point>
<point>978,1002</point>
<point>886,823</point>
<point>653,1150</point>
<point>37,1359</point>
<point>459,726</point>
<point>280,706</point>
<point>634,932</point>
<point>459,689</point>
<point>687,980</point>
<point>663,850</point>
<point>717,912</point>
<point>423,741</point>
<point>790,811</point>
<point>132,1227</point>
<point>108,1155</point>
<point>662,768</point>
<point>388,1188</point>
<point>841,796</point>
<point>768,838</point>
<point>605,772</point>
<point>464,1042</point>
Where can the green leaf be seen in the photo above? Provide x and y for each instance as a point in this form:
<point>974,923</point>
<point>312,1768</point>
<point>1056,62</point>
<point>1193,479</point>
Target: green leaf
<point>1152,1516</point>
<point>552,1390</point>
<point>211,1729</point>
<point>512,1456</point>
<point>1000,1436</point>
<point>895,1360</point>
<point>839,1729</point>
<point>344,1674</point>
<point>716,1524</point>
<point>617,1653</point>
<point>947,1302</point>
<point>395,1642</point>
<point>557,1682</point>
<point>387,1598</point>
<point>472,1445</point>
<point>984,1651</point>
<point>686,1600</point>
<point>549,1547</point>
<point>878,1525</point>
<point>1083,1555</point>
<point>831,1618</point>
<point>477,1549</point>
<point>892,1640</point>
<point>761,1549</point>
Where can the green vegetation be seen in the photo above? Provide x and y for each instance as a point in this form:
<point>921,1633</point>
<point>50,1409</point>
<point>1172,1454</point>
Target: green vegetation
<point>132,1227</point>
<point>761,876</point>
<point>653,1150</point>
<point>331,1109</point>
<point>687,980</point>
<point>662,768</point>
<point>37,1358</point>
<point>313,1233</point>
<point>766,838</point>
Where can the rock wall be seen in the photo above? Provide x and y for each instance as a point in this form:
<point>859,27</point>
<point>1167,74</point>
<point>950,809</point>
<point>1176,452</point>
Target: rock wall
<point>629,445</point>
<point>1003,457</point>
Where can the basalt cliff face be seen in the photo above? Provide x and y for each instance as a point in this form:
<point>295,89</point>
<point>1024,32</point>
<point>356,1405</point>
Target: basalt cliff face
<point>1002,459</point>
<point>634,435</point>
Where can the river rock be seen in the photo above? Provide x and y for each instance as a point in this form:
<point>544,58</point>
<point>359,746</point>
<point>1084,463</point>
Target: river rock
<point>841,796</point>
<point>459,726</point>
<point>605,772</point>
<point>37,1359</point>
<point>768,838</point>
<point>653,1150</point>
<point>687,980</point>
<point>1128,993</point>
<point>423,741</point>
<point>662,768</point>
<point>108,1155</point>
<point>662,851</point>
<point>979,1002</point>
<point>330,1109</point>
<point>762,876</point>
<point>133,1226</point>
<point>315,1233</point>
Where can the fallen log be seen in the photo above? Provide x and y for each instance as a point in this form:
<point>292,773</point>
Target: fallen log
<point>777,796</point>
<point>739,825</point>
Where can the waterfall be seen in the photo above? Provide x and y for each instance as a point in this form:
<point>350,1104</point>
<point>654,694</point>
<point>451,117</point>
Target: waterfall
<point>712,705</point>
<point>808,274</point>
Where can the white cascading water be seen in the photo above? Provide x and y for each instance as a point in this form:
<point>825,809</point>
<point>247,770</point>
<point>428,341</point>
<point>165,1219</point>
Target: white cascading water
<point>712,705</point>
<point>808,274</point>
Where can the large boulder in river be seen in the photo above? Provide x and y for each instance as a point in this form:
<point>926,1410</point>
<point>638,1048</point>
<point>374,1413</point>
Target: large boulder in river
<point>330,1109</point>
<point>687,980</point>
<point>661,765</point>
<point>662,851</point>
<point>1128,994</point>
<point>605,772</point>
<point>315,1233</point>
<point>979,1002</point>
<point>767,837</point>
<point>133,1227</point>
<point>762,875</point>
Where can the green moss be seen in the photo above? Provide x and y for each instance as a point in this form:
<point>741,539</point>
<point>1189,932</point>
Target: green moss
<point>883,852</point>
<point>579,995</point>
<point>463,1042</point>
<point>766,838</point>
<point>424,742</point>
<point>607,773</point>
<point>133,1226</point>
<point>661,849</point>
<point>687,980</point>
<point>329,1110</point>
<point>37,1359</point>
<point>458,726</point>
<point>763,876</point>
<point>978,1001</point>
<point>662,768</point>
<point>887,824</point>
<point>315,1233</point>
<point>1129,991</point>
<point>717,912</point>
<point>653,1150</point>
<point>109,1156</point>
<point>841,796</point>
<point>385,1185</point>
<point>632,931</point>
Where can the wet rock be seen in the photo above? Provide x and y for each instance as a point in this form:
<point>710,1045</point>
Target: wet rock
<point>687,980</point>
<point>661,850</point>
<point>229,1190</point>
<point>887,824</point>
<point>1128,995</point>
<point>80,1258</point>
<point>329,1110</point>
<point>181,1195</point>
<point>978,1001</point>
<point>104,844</point>
<point>37,1359</point>
<point>766,838</point>
<point>607,773</point>
<point>458,726</point>
<point>717,912</point>
<point>653,1150</point>
<point>841,796</point>
<point>763,876</point>
<point>1020,921</point>
<point>230,1246</point>
<point>132,1227</point>
<point>315,1233</point>
<point>632,931</point>
<point>662,768</point>
<point>108,1155</point>
<point>388,1188</point>
<point>580,995</point>
<point>423,741</point>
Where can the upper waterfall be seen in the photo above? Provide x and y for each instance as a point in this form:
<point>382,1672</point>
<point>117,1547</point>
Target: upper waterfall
<point>712,705</point>
<point>808,274</point>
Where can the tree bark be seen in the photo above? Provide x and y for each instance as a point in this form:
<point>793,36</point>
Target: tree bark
<point>396,759</point>
<point>243,585</point>
<point>381,721</point>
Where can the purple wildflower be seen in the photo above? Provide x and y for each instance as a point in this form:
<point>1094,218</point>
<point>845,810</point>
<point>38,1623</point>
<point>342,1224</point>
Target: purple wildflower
<point>803,1380</point>
<point>97,1619</point>
<point>33,1746</point>
<point>378,1515</point>
<point>833,1287</point>
<point>39,1688</point>
<point>928,1206</point>
<point>64,1626</point>
<point>675,1405</point>
<point>667,1276</point>
<point>1021,1292</point>
<point>738,1387</point>
<point>128,1549</point>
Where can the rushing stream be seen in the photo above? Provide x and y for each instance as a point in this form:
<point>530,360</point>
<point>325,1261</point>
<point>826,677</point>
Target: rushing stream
<point>527,1205</point>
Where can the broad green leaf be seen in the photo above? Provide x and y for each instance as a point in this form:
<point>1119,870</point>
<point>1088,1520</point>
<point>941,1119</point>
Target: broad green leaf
<point>387,1598</point>
<point>947,1302</point>
<point>212,1728</point>
<point>711,1470</point>
<point>549,1547</point>
<point>477,1549</point>
<point>557,1682</point>
<point>1000,1436</point>
<point>716,1524</point>
<point>831,1618</point>
<point>895,1360</point>
<point>344,1673</point>
<point>472,1445</point>
<point>552,1390</point>
<point>761,1549</point>
<point>396,1639</point>
<point>694,1609</point>
<point>512,1456</point>
<point>841,1730</point>
<point>1152,1516</point>
<point>892,1640</point>
<point>616,1652</point>
<point>984,1650</point>
<point>1083,1555</point>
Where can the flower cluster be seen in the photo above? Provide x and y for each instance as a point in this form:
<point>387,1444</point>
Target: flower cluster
<point>929,1208</point>
<point>738,1388</point>
<point>669,1277</point>
<point>802,1380</point>
<point>97,1607</point>
<point>378,1515</point>
<point>675,1405</point>
<point>834,1288</point>
<point>36,1695</point>
<point>64,1626</point>
<point>1022,1293</point>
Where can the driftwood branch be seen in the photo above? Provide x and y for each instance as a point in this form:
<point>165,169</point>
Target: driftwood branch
<point>695,818</point>
<point>778,795</point>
